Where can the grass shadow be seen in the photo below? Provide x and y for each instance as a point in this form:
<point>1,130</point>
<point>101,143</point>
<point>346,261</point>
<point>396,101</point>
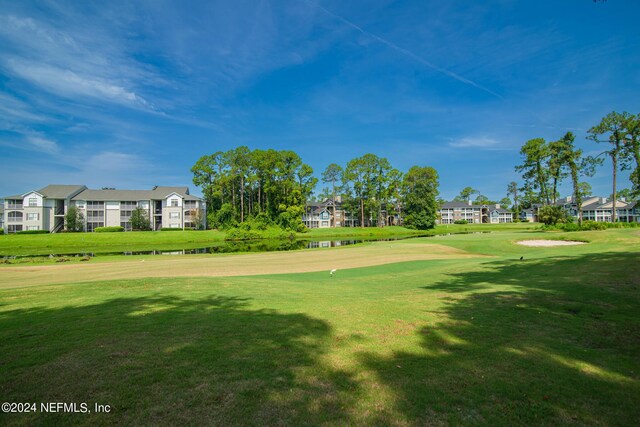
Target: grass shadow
<point>162,360</point>
<point>558,342</point>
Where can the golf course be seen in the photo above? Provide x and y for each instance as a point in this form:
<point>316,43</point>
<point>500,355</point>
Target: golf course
<point>446,329</point>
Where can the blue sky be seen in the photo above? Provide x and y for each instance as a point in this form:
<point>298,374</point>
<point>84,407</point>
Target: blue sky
<point>131,95</point>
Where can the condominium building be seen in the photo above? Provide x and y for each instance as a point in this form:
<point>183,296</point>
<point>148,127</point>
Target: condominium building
<point>44,209</point>
<point>326,214</point>
<point>473,213</point>
<point>600,209</point>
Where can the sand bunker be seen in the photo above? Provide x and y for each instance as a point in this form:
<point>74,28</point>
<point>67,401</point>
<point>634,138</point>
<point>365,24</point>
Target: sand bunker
<point>539,243</point>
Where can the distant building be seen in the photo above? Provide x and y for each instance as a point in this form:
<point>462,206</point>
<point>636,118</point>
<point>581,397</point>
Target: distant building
<point>600,209</point>
<point>44,209</point>
<point>450,212</point>
<point>325,214</point>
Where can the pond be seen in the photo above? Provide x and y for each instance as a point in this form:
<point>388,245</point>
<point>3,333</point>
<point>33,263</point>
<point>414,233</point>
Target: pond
<point>231,247</point>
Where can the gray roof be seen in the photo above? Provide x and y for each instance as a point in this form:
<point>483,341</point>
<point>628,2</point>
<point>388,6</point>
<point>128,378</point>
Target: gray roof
<point>158,193</point>
<point>53,191</point>
<point>60,191</point>
<point>450,205</point>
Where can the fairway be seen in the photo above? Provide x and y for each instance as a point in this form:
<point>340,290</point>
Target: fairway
<point>232,265</point>
<point>432,331</point>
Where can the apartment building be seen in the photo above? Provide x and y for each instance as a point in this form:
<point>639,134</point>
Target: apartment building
<point>325,214</point>
<point>44,209</point>
<point>600,209</point>
<point>473,213</point>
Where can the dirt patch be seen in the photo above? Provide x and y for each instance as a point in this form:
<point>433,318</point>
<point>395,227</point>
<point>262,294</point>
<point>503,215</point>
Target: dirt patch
<point>545,243</point>
<point>229,265</point>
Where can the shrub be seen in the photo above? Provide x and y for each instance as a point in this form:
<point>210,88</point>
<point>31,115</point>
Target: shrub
<point>461,221</point>
<point>114,229</point>
<point>593,225</point>
<point>170,229</point>
<point>1,231</point>
<point>33,232</point>
<point>552,215</point>
<point>523,220</point>
<point>139,220</point>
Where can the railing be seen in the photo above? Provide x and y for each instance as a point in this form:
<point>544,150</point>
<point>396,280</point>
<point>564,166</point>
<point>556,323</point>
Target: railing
<point>14,206</point>
<point>14,219</point>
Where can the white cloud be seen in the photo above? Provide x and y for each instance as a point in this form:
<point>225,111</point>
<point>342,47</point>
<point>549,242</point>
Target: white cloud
<point>476,142</point>
<point>42,144</point>
<point>69,84</point>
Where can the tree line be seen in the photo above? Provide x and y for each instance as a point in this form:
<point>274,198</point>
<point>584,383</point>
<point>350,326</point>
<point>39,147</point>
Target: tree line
<point>546,164</point>
<point>274,186</point>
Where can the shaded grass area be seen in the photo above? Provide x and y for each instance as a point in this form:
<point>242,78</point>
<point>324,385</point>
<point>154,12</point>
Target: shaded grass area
<point>554,339</point>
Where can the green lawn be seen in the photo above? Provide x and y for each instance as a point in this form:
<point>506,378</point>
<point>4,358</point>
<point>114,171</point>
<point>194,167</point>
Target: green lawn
<point>64,243</point>
<point>552,339</point>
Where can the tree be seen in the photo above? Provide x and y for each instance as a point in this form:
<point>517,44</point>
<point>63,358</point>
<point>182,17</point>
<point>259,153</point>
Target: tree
<point>535,172</point>
<point>368,178</point>
<point>611,129</point>
<point>332,174</point>
<point>139,219</point>
<point>74,219</point>
<point>465,194</point>
<point>556,165</point>
<point>505,202</point>
<point>632,150</point>
<point>512,190</point>
<point>420,190</point>
<point>551,215</point>
<point>240,183</point>
<point>481,199</point>
<point>569,157</point>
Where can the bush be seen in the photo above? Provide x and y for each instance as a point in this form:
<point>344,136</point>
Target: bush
<point>461,221</point>
<point>114,229</point>
<point>1,231</point>
<point>170,229</point>
<point>33,232</point>
<point>552,215</point>
<point>523,220</point>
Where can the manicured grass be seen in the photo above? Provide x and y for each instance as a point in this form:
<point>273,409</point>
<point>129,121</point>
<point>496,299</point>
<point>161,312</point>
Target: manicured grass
<point>14,244</point>
<point>553,339</point>
<point>65,243</point>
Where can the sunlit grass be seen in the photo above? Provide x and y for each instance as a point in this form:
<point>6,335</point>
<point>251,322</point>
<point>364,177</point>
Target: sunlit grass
<point>551,339</point>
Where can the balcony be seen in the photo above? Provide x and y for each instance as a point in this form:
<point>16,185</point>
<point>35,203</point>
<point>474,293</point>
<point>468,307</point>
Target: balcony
<point>14,206</point>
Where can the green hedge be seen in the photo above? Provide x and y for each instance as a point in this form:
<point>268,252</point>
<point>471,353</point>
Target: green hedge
<point>1,231</point>
<point>461,221</point>
<point>33,232</point>
<point>115,229</point>
<point>170,229</point>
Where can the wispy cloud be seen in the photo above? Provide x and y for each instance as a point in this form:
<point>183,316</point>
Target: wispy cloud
<point>406,52</point>
<point>484,143</point>
<point>42,144</point>
<point>70,64</point>
<point>70,84</point>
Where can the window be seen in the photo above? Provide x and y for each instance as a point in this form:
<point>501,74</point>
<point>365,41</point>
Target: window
<point>93,225</point>
<point>33,217</point>
<point>174,215</point>
<point>174,225</point>
<point>325,223</point>
<point>33,201</point>
<point>14,228</point>
<point>14,217</point>
<point>32,227</point>
<point>174,203</point>
<point>189,204</point>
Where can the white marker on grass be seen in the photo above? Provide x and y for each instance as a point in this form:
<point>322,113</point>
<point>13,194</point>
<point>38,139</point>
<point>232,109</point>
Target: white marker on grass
<point>332,271</point>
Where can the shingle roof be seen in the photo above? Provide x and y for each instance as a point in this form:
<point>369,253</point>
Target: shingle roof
<point>449,205</point>
<point>60,191</point>
<point>158,193</point>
